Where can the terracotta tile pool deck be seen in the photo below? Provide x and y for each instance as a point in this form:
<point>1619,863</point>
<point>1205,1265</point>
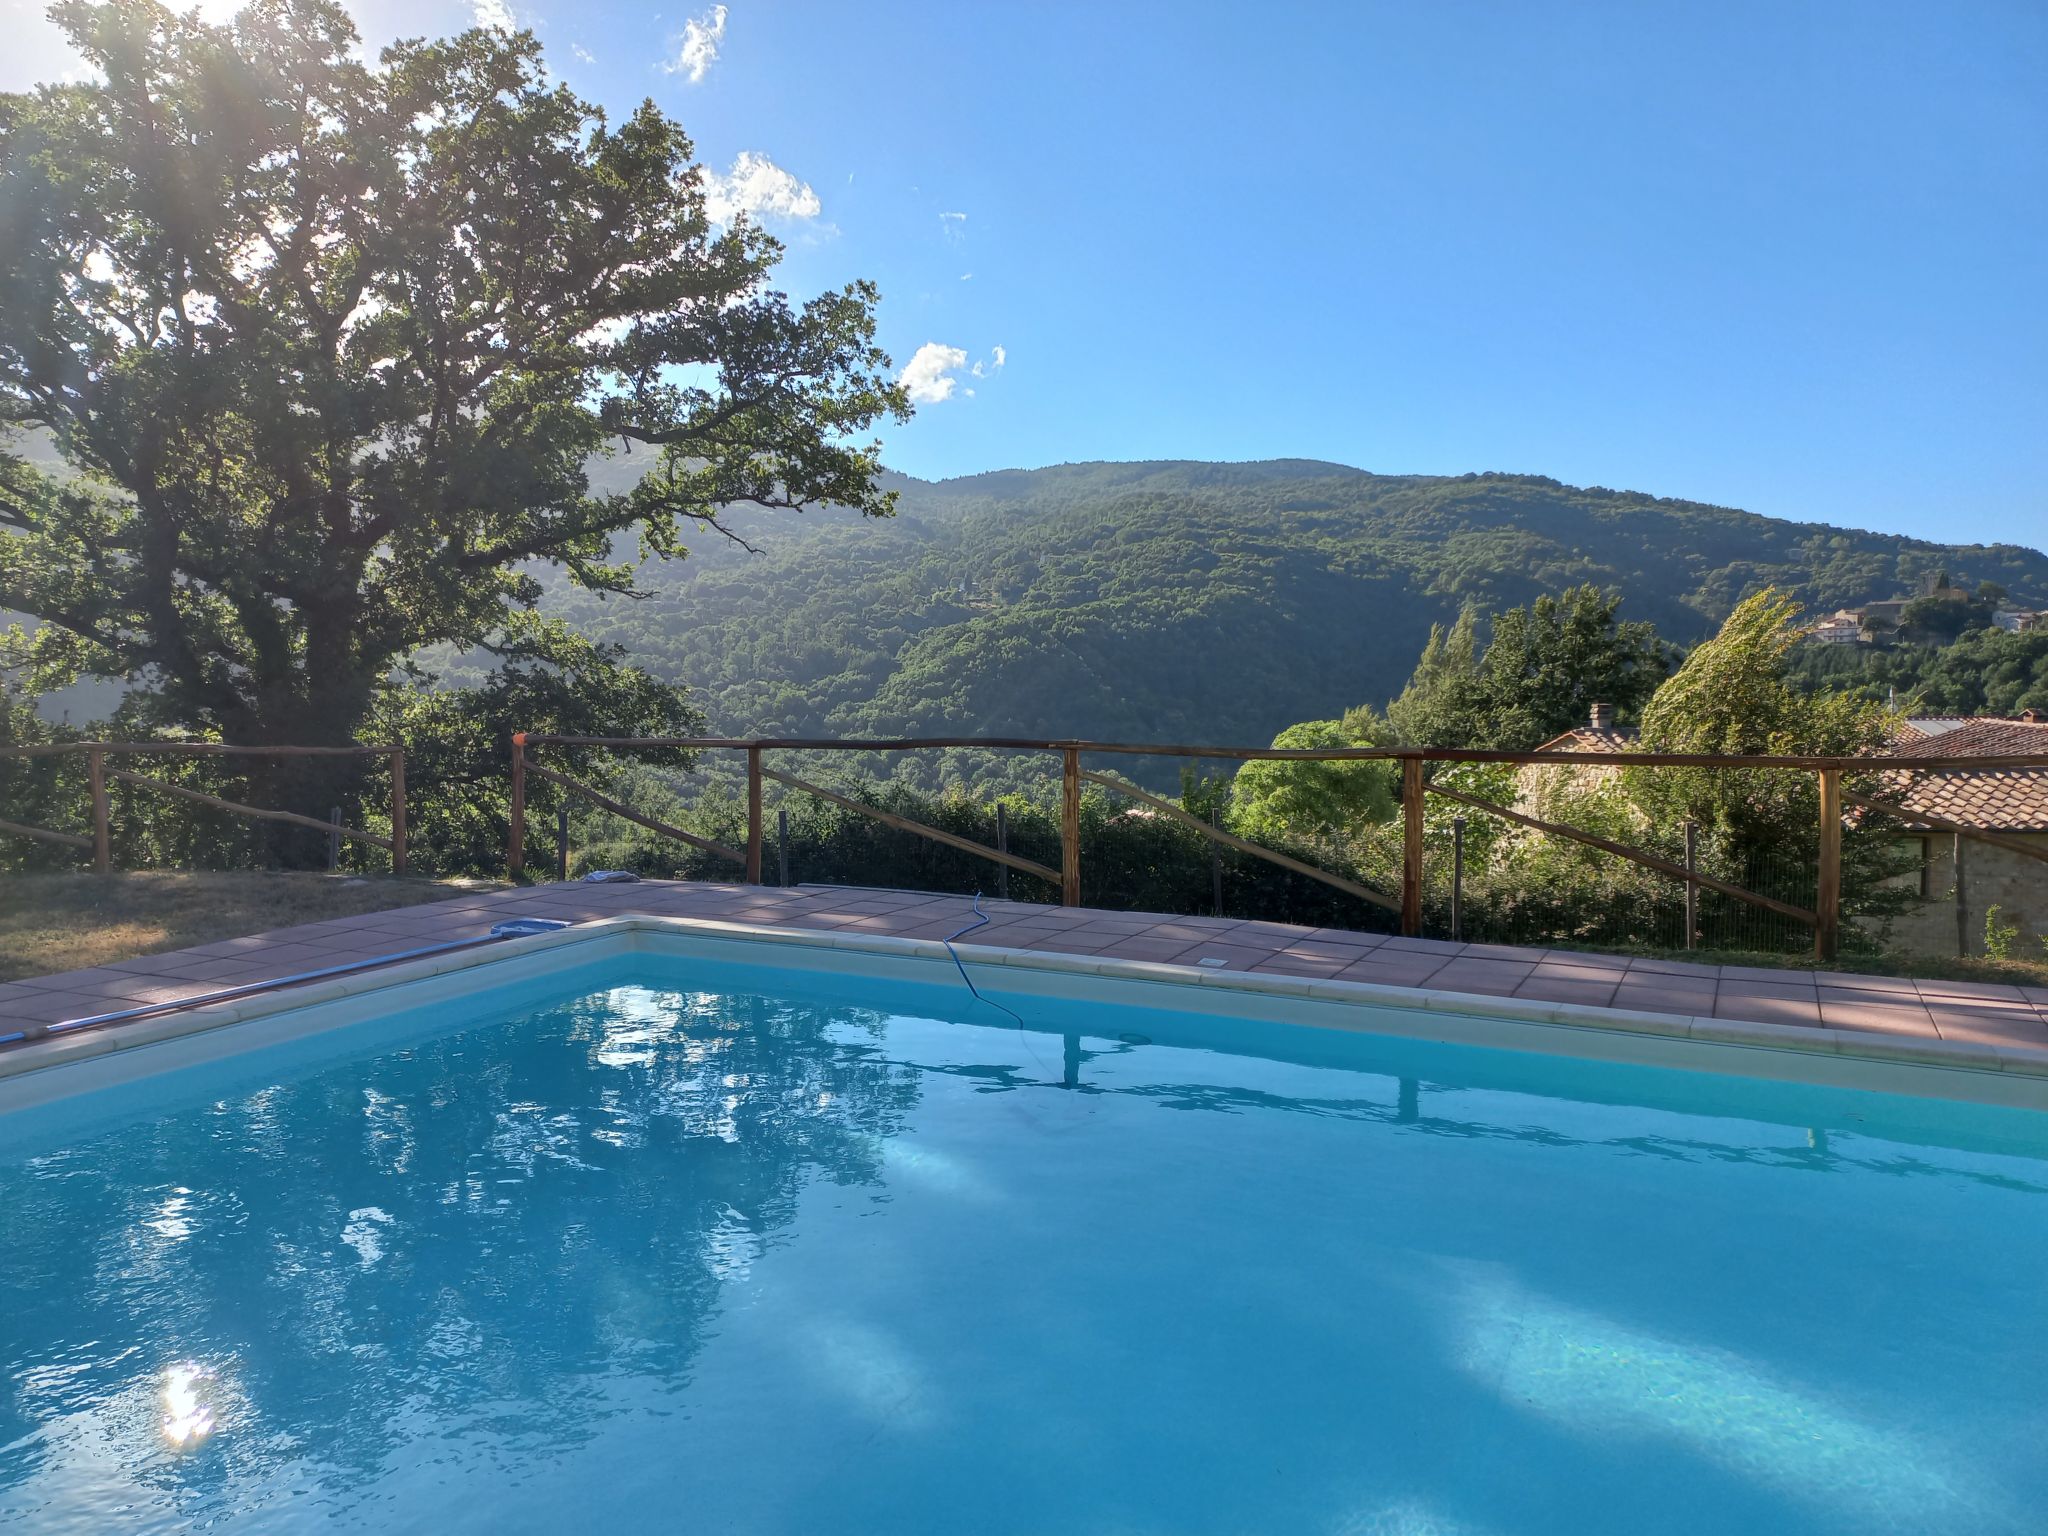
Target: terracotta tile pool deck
<point>1968,1012</point>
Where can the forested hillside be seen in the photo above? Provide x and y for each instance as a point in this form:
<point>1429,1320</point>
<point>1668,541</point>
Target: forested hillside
<point>1192,602</point>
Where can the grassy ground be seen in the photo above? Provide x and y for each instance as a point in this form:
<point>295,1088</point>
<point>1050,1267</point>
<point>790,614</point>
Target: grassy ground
<point>66,922</point>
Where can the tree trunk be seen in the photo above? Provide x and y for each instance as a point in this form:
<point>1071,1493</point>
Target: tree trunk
<point>320,702</point>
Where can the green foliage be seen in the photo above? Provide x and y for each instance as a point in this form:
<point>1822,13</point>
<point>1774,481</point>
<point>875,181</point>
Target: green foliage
<point>1446,702</point>
<point>46,792</point>
<point>1543,669</point>
<point>1280,801</point>
<point>1203,794</point>
<point>1733,697</point>
<point>1938,620</point>
<point>1495,783</point>
<point>331,347</point>
<point>2000,937</point>
<point>547,680</point>
<point>1984,672</point>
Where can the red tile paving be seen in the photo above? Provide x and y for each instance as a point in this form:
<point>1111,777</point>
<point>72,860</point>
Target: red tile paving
<point>1977,1013</point>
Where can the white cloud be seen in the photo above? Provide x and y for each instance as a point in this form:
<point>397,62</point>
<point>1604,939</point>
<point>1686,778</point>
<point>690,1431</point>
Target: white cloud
<point>494,14</point>
<point>964,276</point>
<point>931,375</point>
<point>954,218</point>
<point>582,53</point>
<point>928,378</point>
<point>757,186</point>
<point>701,37</point>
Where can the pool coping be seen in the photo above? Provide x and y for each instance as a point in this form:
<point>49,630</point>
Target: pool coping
<point>1985,1061</point>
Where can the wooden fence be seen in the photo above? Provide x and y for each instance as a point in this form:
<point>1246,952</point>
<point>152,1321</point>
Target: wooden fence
<point>1824,917</point>
<point>98,772</point>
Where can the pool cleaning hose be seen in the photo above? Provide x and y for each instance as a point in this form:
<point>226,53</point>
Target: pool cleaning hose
<point>981,920</point>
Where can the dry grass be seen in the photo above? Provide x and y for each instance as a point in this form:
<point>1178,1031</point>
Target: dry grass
<point>51,923</point>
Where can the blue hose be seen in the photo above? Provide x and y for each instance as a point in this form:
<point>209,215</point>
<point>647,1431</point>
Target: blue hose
<point>981,920</point>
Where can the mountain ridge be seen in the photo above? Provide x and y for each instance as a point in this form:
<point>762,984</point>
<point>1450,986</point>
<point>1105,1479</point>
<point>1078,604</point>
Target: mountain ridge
<point>1187,600</point>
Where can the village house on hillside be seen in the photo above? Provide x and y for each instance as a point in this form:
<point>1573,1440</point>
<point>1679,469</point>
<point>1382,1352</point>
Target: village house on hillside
<point>1873,621</point>
<point>1842,627</point>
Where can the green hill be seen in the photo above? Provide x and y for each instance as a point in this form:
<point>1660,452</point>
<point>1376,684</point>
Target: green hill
<point>1193,602</point>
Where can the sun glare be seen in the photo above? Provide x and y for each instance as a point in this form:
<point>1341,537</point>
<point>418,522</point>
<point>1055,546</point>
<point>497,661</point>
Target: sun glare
<point>187,1417</point>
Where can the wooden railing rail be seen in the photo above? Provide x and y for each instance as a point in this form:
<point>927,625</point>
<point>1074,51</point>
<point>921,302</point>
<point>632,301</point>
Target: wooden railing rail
<point>257,812</point>
<point>45,834</point>
<point>1286,754</point>
<point>1633,855</point>
<point>905,824</point>
<point>1824,918</point>
<point>189,749</point>
<point>97,774</point>
<point>638,818</point>
<point>1228,840</point>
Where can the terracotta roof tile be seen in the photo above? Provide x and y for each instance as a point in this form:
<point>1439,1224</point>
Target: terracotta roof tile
<point>1586,738</point>
<point>1995,800</point>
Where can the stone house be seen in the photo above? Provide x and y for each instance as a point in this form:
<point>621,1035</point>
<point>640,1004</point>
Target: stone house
<point>1959,879</point>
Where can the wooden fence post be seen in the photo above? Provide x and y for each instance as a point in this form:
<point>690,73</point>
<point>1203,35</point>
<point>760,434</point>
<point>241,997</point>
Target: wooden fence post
<point>102,843</point>
<point>1827,928</point>
<point>398,810</point>
<point>753,815</point>
<point>1070,827</point>
<point>1411,847</point>
<point>515,850</point>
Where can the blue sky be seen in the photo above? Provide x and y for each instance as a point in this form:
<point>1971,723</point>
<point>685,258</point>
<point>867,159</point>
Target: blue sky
<point>1785,256</point>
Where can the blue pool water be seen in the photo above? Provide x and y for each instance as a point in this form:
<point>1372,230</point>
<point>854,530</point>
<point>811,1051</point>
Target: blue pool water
<point>675,1246</point>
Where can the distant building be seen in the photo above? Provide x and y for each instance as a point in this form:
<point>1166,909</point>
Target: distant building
<point>1842,627</point>
<point>2019,620</point>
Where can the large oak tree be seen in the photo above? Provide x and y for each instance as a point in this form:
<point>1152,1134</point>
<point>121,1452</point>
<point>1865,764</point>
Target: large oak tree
<point>328,346</point>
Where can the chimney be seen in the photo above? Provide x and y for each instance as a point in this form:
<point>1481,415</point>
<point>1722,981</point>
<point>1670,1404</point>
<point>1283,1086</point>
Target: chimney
<point>1603,717</point>
<point>2031,716</point>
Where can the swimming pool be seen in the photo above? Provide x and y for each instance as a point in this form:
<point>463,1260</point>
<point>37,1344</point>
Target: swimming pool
<point>665,1242</point>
